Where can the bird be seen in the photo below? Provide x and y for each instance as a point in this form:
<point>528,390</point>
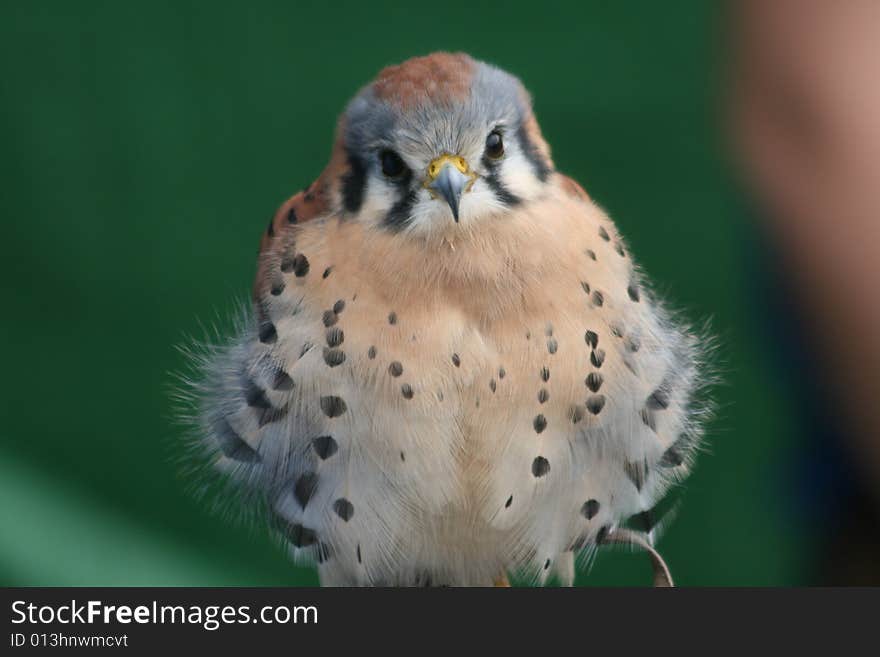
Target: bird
<point>452,372</point>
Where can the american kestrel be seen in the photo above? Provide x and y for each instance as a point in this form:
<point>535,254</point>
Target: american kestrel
<point>453,369</point>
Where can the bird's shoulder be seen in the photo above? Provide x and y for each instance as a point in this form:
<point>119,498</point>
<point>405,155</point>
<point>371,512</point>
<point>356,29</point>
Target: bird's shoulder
<point>571,187</point>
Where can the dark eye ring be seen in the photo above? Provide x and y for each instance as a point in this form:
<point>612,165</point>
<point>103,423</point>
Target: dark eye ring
<point>392,165</point>
<point>494,145</point>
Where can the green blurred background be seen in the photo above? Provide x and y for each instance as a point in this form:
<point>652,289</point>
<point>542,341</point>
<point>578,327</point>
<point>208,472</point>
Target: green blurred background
<point>145,146</point>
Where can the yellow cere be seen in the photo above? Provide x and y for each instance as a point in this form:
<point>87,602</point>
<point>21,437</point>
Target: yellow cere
<point>436,166</point>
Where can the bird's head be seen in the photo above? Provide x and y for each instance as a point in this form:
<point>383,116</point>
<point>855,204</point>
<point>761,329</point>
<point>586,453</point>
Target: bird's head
<point>438,143</point>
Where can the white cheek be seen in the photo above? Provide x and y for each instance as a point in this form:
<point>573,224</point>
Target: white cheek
<point>519,177</point>
<point>377,201</point>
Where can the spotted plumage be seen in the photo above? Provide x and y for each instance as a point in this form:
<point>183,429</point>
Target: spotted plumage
<point>386,401</point>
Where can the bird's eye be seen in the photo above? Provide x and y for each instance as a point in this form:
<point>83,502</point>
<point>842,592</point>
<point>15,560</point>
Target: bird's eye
<point>494,145</point>
<point>392,165</point>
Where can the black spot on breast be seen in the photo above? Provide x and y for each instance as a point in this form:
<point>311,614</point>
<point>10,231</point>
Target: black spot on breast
<point>508,502</point>
<point>323,553</point>
<point>658,400</point>
<point>407,391</point>
<point>305,487</point>
<point>671,458</point>
<point>329,318</point>
<point>552,345</point>
<point>335,336</point>
<point>325,446</point>
<point>585,286</point>
<point>648,419</point>
<point>501,373</point>
<point>291,215</point>
<point>456,360</point>
<point>255,396</point>
<point>591,338</point>
<point>343,508</point>
<point>339,306</point>
<point>642,522</point>
<point>277,288</point>
<point>590,254</point>
<point>301,536</point>
<point>268,334</point>
<point>269,415</point>
<point>543,396</point>
<point>300,265</point>
<point>307,346</point>
<point>539,423</point>
<point>333,357</point>
<point>287,264</point>
<point>402,457</point>
<point>595,404</point>
<point>617,330</point>
<point>281,380</point>
<point>590,509</point>
<point>395,369</point>
<point>603,233</point>
<point>540,466</point>
<point>598,299</point>
<point>545,374</point>
<point>327,272</point>
<point>333,406</point>
<point>632,343</point>
<point>597,357</point>
<point>359,553</point>
<point>636,472</point>
<point>547,564</point>
<point>232,445</point>
<point>576,413</point>
<point>492,385</point>
<point>594,381</point>
<point>392,318</point>
<point>633,292</point>
<point>371,353</point>
<point>619,248</point>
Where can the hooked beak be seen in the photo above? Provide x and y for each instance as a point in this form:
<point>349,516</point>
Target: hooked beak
<point>448,178</point>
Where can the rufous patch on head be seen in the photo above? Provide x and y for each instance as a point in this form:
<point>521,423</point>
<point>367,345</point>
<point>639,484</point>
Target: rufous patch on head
<point>441,76</point>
